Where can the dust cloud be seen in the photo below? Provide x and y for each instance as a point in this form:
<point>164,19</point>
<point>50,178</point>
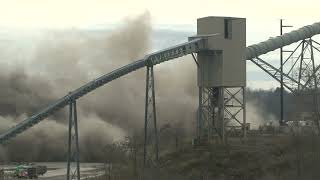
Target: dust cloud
<point>255,115</point>
<point>61,61</point>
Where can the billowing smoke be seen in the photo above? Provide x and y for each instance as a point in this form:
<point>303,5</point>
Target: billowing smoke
<point>60,61</point>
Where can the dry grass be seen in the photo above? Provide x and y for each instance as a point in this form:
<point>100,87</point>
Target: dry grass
<point>260,157</point>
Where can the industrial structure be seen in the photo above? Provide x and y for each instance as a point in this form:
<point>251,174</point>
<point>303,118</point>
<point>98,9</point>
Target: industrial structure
<point>221,75</point>
<point>219,50</point>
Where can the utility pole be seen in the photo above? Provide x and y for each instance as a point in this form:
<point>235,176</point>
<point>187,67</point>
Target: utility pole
<point>281,76</point>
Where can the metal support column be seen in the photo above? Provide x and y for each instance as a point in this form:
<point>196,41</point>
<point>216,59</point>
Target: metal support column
<point>244,115</point>
<point>281,78</point>
<point>221,115</point>
<point>150,117</point>
<point>207,116</point>
<point>301,65</point>
<point>315,90</point>
<point>199,113</point>
<point>73,168</point>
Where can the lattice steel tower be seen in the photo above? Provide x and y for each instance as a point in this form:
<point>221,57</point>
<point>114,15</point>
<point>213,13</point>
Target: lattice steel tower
<point>73,168</point>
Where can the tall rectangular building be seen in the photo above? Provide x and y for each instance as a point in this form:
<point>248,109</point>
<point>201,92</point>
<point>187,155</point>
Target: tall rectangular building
<point>223,64</point>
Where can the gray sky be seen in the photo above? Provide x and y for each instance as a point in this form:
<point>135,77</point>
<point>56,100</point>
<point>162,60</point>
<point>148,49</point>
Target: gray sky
<point>62,13</point>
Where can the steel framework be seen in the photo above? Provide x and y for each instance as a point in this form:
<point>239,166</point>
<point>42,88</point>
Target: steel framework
<point>209,112</point>
<point>299,71</point>
<point>235,110</point>
<point>296,76</point>
<point>150,118</point>
<point>73,167</point>
<point>219,112</point>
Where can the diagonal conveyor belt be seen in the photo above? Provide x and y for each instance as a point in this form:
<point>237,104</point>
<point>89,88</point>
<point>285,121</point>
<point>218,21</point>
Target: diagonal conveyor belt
<point>192,46</point>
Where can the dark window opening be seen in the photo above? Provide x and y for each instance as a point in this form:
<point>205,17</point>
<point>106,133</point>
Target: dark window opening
<point>227,29</point>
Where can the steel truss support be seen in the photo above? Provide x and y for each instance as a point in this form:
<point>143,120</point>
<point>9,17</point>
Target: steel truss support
<point>219,112</point>
<point>315,89</point>
<point>307,72</point>
<point>300,73</point>
<point>150,118</point>
<point>296,76</point>
<point>235,110</point>
<point>208,112</point>
<point>73,168</point>
<point>275,73</point>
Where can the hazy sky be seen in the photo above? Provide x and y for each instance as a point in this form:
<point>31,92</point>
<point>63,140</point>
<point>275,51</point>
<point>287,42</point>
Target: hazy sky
<point>65,13</point>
